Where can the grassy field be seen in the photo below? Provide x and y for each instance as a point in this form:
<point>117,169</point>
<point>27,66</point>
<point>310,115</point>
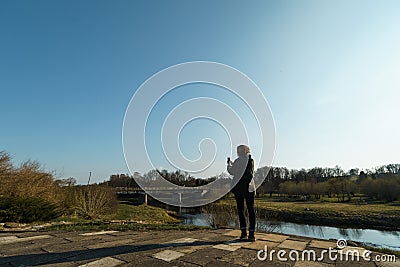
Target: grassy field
<point>126,217</point>
<point>330,208</point>
<point>141,214</point>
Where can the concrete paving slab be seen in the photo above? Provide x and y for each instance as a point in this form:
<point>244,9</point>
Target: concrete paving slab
<point>39,258</point>
<point>322,244</point>
<point>272,237</point>
<point>237,243</point>
<point>235,233</point>
<point>350,249</point>
<point>34,246</point>
<point>110,244</point>
<point>300,238</point>
<point>65,233</point>
<point>212,237</point>
<point>22,239</point>
<point>30,233</point>
<point>219,231</point>
<point>7,238</point>
<point>260,244</point>
<point>190,249</point>
<point>292,244</point>
<point>49,241</point>
<point>98,233</point>
<point>7,258</point>
<point>65,247</point>
<point>104,262</point>
<point>183,240</point>
<point>168,255</point>
<point>126,235</point>
<point>321,255</point>
<point>226,247</point>
<point>204,256</point>
<point>242,257</point>
<point>158,241</point>
<point>10,248</point>
<point>138,255</point>
<point>95,254</point>
<point>95,238</point>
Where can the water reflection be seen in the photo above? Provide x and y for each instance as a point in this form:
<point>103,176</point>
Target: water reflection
<point>386,239</point>
<point>354,233</point>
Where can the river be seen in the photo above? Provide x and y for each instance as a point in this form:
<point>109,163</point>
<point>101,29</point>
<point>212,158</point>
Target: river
<point>375,238</point>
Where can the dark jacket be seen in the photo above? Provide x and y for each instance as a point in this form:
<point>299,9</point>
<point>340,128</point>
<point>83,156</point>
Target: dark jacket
<point>242,170</point>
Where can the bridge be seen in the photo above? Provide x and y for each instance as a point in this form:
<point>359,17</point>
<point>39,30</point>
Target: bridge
<point>168,192</point>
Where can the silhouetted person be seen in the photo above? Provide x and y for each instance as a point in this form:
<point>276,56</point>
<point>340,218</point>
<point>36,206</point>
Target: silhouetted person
<point>242,170</point>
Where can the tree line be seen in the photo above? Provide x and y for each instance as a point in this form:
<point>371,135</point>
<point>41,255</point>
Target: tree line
<point>381,183</point>
<point>29,179</point>
<point>176,177</point>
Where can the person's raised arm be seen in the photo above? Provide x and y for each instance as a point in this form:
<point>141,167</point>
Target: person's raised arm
<point>237,168</point>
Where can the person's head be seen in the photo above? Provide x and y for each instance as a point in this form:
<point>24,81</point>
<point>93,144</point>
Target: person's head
<point>243,150</point>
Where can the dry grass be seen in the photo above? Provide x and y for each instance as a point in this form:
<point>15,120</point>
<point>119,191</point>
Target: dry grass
<point>324,207</point>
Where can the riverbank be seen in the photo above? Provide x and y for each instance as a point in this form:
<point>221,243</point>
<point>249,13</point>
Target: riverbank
<point>129,217</point>
<point>126,217</point>
<point>351,215</point>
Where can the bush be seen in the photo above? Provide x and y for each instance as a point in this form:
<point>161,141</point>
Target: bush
<point>30,179</point>
<point>94,200</point>
<point>26,210</point>
<point>224,214</point>
<point>220,215</point>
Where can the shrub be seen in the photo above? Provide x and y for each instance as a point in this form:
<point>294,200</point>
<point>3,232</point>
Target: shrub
<point>28,180</point>
<point>218,215</point>
<point>26,210</point>
<point>94,200</point>
<point>224,214</point>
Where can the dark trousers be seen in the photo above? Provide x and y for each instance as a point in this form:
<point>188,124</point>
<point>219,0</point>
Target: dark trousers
<point>250,208</point>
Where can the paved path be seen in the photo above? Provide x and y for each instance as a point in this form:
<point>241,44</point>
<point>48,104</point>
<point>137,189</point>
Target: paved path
<point>170,248</point>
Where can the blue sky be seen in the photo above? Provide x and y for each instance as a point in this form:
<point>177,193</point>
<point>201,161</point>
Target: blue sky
<point>330,71</point>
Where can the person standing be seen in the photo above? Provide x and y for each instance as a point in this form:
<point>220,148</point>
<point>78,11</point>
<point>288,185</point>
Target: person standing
<point>242,170</point>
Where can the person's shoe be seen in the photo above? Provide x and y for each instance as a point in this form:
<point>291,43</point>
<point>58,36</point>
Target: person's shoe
<point>243,235</point>
<point>251,237</point>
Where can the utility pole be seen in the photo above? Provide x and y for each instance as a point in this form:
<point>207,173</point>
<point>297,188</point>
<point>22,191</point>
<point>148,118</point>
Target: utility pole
<point>90,175</point>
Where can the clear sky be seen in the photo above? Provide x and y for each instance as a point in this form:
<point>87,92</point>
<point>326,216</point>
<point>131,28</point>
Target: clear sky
<point>330,71</point>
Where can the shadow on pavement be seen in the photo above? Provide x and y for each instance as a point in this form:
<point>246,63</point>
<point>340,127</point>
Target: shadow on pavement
<point>89,254</point>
